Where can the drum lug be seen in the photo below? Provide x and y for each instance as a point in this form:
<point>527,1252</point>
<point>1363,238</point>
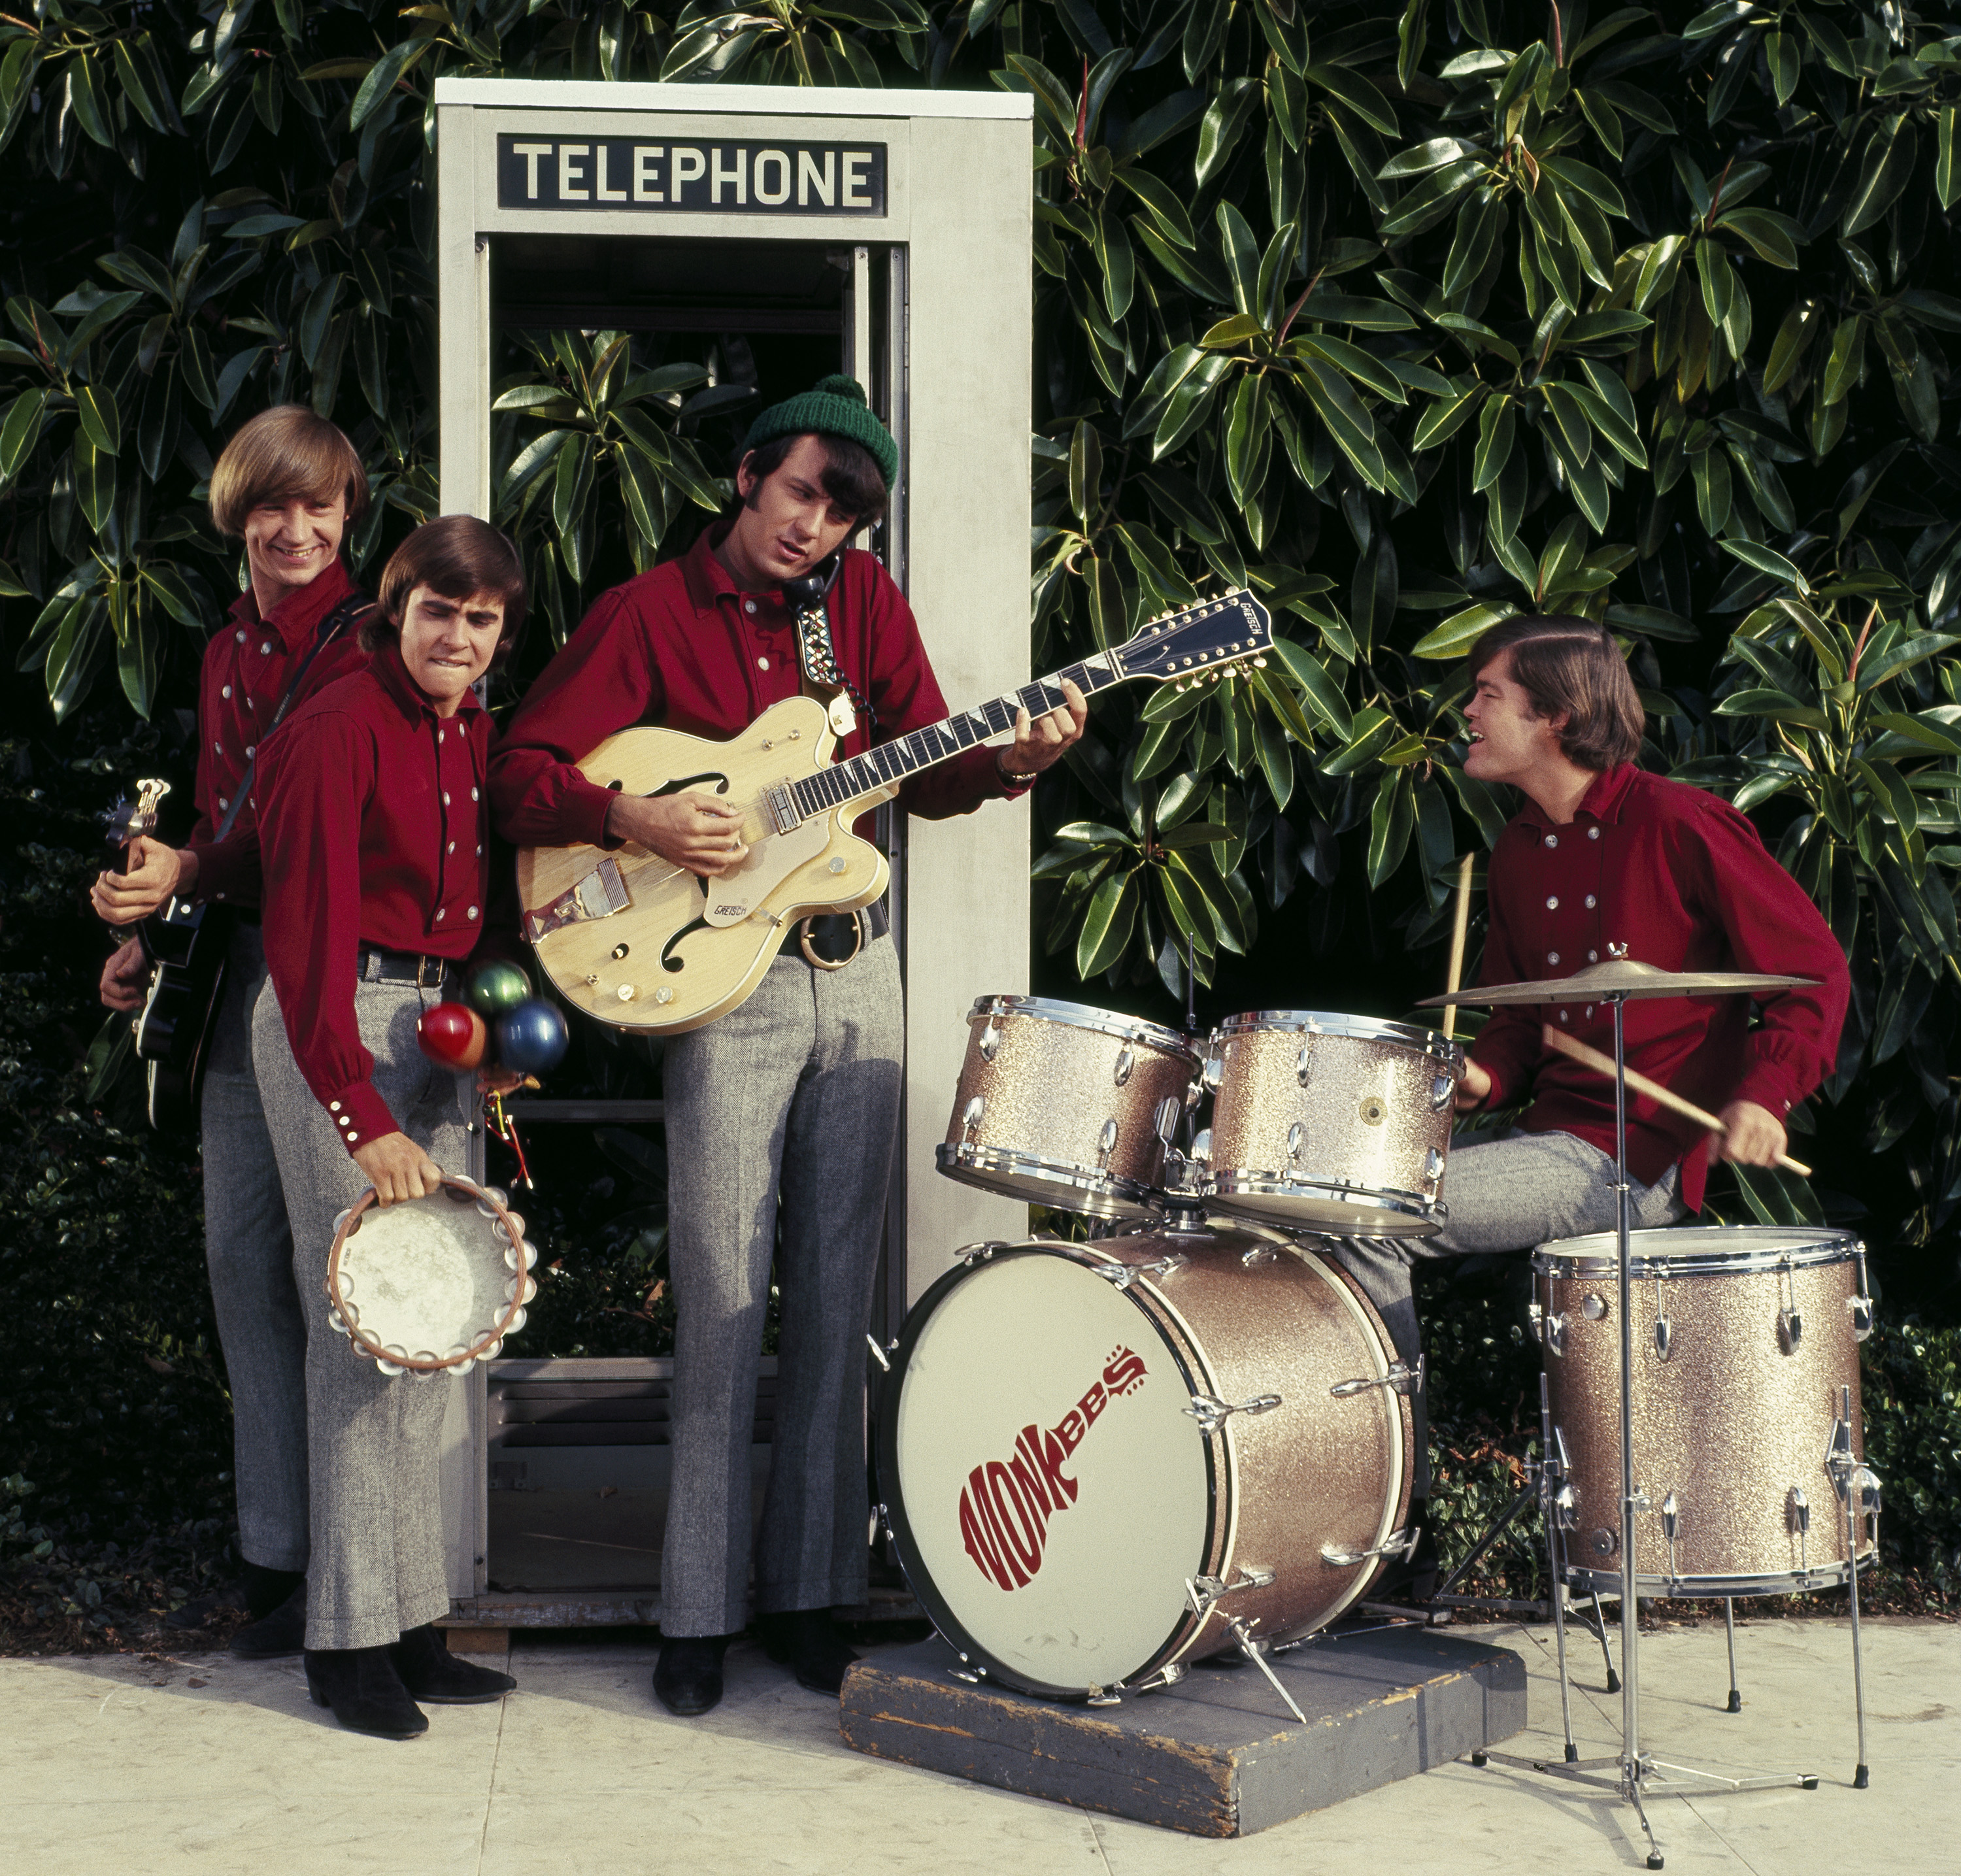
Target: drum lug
<point>1566,1509</point>
<point>1797,1520</point>
<point>1171,1111</point>
<point>1549,1327</point>
<point>989,1044</point>
<point>1400,1378</point>
<point>970,1119</point>
<point>1123,1275</point>
<point>1106,1144</point>
<point>1126,1060</point>
<point>980,1253</point>
<point>1203,1591</point>
<point>1401,1543</point>
<point>1671,1522</point>
<point>1433,1166</point>
<point>1442,1092</point>
<point>1861,1311</point>
<point>1168,1675</point>
<point>1104,1697</point>
<point>1211,1073</point>
<point>1790,1330</point>
<point>1303,1063</point>
<point>1296,1135</point>
<point>1211,1413</point>
<point>1664,1338</point>
<point>1259,1254</point>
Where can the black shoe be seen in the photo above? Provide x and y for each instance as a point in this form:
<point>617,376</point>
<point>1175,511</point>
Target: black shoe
<point>364,1690</point>
<point>198,1611</point>
<point>687,1678</point>
<point>804,1640</point>
<point>282,1632</point>
<point>431,1672</point>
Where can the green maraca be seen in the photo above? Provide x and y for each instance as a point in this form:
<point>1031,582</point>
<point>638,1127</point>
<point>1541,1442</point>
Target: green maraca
<point>496,987</point>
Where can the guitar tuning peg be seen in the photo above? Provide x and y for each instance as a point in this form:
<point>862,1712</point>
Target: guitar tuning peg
<point>1259,664</point>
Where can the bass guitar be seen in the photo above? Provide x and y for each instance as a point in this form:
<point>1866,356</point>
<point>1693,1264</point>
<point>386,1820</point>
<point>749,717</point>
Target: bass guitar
<point>644,944</point>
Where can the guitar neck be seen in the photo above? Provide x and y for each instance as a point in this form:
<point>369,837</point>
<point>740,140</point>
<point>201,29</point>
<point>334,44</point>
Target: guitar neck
<point>875,771</point>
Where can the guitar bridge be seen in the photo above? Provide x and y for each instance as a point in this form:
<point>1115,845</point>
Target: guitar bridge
<point>599,894</point>
<point>783,815</point>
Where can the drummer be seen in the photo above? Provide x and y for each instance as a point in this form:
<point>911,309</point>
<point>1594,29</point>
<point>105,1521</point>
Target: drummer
<point>1603,860</point>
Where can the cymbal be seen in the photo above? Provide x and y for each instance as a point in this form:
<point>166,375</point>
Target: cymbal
<point>1620,977</point>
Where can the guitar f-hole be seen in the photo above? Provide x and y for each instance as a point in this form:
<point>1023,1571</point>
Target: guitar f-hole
<point>668,961</point>
<point>681,782</point>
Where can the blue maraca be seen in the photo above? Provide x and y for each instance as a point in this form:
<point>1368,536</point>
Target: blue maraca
<point>531,1038</point>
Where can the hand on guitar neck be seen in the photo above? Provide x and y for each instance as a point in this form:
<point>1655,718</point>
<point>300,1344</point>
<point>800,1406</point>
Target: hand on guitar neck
<point>152,873</point>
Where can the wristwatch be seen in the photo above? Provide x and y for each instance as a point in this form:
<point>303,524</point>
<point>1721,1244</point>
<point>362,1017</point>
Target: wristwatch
<point>1009,776</point>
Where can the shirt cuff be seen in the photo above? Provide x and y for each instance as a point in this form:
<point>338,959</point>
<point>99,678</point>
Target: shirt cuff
<point>1768,1085</point>
<point>1003,788</point>
<point>359,1115</point>
<point>227,872</point>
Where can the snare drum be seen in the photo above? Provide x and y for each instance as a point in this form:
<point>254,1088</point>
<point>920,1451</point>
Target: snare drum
<point>1331,1123</point>
<point>1062,1105</point>
<point>1746,1343</point>
<point>430,1286</point>
<point>1096,1457</point>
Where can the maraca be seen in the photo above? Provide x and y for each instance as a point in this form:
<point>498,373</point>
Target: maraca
<point>496,987</point>
<point>452,1035</point>
<point>532,1038</point>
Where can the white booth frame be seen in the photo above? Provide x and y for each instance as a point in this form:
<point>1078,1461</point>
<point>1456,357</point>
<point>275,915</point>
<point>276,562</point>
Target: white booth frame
<point>957,222</point>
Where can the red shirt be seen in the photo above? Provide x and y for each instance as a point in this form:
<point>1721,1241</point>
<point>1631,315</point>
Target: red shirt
<point>375,824</point>
<point>247,666</point>
<point>1682,880</point>
<point>683,647</point>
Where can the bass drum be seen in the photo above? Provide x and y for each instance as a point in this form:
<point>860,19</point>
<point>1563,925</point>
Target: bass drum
<point>1096,1458</point>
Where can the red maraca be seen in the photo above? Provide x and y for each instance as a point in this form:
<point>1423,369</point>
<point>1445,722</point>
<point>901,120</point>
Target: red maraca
<point>452,1035</point>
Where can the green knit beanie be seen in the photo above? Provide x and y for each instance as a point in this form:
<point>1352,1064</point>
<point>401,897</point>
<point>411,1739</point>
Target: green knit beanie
<point>832,406</point>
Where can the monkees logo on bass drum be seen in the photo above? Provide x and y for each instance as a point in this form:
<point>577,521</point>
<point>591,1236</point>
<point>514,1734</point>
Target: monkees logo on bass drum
<point>1005,1504</point>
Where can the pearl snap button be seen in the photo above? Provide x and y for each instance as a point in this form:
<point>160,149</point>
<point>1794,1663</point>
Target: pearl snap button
<point>473,911</point>
<point>1552,905</point>
<point>438,915</point>
<point>1552,957</point>
<point>226,691</point>
<point>1592,957</point>
<point>222,803</point>
<point>472,794</point>
<point>241,638</point>
<point>266,649</point>
<point>248,748</point>
<point>1591,902</point>
<point>451,848</point>
<point>748,605</point>
<point>762,664</point>
<point>1592,834</point>
<point>1552,839</point>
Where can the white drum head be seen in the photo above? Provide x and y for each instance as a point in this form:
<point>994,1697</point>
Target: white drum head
<point>1050,1486</point>
<point>427,1277</point>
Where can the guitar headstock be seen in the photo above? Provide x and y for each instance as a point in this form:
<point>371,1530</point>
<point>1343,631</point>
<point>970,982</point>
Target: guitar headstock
<point>131,817</point>
<point>1210,638</point>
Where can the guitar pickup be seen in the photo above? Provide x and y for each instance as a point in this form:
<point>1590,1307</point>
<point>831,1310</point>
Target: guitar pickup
<point>599,894</point>
<point>783,815</point>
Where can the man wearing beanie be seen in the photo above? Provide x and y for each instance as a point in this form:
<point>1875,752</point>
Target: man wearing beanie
<point>787,1109</point>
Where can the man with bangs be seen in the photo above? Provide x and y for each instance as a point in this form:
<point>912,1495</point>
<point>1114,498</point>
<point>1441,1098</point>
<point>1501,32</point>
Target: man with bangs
<point>288,485</point>
<point>794,1096</point>
<point>1604,860</point>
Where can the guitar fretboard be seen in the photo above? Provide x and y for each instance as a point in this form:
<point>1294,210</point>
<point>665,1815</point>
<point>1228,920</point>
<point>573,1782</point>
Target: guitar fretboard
<point>893,761</point>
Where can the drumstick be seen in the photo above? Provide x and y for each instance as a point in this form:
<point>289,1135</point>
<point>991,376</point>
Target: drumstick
<point>1592,1058</point>
<point>1457,941</point>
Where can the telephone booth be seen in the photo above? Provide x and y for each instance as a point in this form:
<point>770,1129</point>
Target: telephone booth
<point>886,234</point>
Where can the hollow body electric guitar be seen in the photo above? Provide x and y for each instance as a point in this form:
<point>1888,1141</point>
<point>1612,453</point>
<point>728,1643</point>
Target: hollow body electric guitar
<point>644,944</point>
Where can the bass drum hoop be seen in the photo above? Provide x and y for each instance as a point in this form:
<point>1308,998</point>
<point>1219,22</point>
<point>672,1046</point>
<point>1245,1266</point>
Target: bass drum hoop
<point>1590,1581</point>
<point>972,1653</point>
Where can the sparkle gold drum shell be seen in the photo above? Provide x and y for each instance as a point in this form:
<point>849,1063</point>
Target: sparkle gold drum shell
<point>1331,1123</point>
<point>1747,1359</point>
<point>1062,1105</point>
<point>430,1286</point>
<point>1097,1458</point>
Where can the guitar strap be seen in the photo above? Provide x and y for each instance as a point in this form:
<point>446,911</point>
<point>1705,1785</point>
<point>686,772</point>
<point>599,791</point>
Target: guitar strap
<point>331,627</point>
<point>809,603</point>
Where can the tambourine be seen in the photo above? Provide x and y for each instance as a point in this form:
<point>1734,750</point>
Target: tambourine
<point>430,1286</point>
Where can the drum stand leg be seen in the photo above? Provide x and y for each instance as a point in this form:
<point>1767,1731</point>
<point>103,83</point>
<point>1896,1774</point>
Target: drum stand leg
<point>1599,1627</point>
<point>1863,1778</point>
<point>1634,1772</point>
<point>1730,1634</point>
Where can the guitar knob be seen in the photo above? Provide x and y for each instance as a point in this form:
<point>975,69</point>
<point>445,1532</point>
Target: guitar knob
<point>626,993</point>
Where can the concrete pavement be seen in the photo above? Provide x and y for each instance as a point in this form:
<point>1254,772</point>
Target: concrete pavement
<point>203,1764</point>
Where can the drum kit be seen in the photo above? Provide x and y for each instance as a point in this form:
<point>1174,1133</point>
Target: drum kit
<point>1104,1461</point>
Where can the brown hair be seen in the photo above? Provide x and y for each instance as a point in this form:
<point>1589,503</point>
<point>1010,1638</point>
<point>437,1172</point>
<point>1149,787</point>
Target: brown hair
<point>851,478</point>
<point>1572,667</point>
<point>284,453</point>
<point>458,557</point>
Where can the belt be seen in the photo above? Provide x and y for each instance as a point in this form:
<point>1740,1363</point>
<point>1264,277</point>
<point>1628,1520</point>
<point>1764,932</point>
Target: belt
<point>376,966</point>
<point>828,941</point>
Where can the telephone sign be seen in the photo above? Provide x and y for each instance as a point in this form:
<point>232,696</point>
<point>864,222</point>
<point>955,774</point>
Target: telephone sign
<point>705,175</point>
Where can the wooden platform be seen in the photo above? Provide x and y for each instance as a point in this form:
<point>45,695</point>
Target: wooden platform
<point>1219,1755</point>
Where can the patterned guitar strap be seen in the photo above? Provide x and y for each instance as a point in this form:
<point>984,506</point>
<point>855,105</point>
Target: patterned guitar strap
<point>809,600</point>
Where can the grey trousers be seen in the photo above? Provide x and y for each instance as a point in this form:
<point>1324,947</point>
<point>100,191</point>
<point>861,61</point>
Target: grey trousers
<point>1509,1194</point>
<point>373,1445</point>
<point>791,1099</point>
<point>248,1249</point>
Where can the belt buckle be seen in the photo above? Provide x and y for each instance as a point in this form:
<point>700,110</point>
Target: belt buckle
<point>828,964</point>
<point>422,963</point>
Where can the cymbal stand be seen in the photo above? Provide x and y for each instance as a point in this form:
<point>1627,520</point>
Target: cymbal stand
<point>1634,1771</point>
